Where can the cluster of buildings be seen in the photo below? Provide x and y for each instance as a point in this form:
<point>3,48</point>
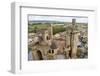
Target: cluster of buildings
<point>46,46</point>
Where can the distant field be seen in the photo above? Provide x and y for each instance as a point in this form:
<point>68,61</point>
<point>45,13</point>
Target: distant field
<point>33,27</point>
<point>56,28</point>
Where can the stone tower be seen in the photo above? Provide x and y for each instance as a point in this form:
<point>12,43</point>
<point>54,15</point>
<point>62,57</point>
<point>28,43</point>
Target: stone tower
<point>74,39</point>
<point>51,31</point>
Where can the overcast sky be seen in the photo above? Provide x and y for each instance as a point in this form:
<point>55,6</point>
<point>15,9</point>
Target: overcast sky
<point>56,18</point>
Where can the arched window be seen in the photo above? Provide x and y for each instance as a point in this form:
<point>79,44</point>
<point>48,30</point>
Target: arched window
<point>52,51</point>
<point>49,51</point>
<point>39,55</point>
<point>47,37</point>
